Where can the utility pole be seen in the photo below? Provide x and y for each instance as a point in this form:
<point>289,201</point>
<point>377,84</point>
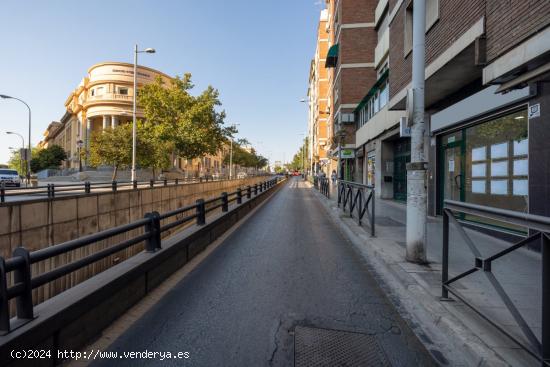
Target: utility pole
<point>416,169</point>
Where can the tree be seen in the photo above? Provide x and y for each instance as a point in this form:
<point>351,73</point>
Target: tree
<point>300,159</point>
<point>112,147</point>
<point>15,163</point>
<point>189,125</point>
<point>48,158</point>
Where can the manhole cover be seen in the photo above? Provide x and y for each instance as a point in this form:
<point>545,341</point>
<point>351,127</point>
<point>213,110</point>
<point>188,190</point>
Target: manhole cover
<point>323,347</point>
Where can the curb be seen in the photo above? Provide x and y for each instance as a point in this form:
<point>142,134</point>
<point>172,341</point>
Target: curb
<point>448,340</point>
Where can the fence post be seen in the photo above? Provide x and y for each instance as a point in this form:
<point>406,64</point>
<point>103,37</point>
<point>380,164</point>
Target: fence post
<point>545,340</point>
<point>373,213</point>
<point>239,196</point>
<point>225,202</point>
<point>2,192</point>
<point>87,187</point>
<point>113,184</point>
<point>153,229</point>
<point>255,189</point>
<point>176,182</point>
<point>134,184</point>
<point>201,212</point>
<point>165,182</point>
<point>445,256</point>
<point>23,275</point>
<point>151,183</point>
<point>4,305</point>
<point>248,192</point>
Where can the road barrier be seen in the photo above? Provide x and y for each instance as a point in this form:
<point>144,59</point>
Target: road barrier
<point>148,230</point>
<point>358,199</point>
<point>50,190</point>
<point>539,227</point>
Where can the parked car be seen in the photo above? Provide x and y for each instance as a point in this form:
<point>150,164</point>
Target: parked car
<point>9,177</point>
<point>241,175</point>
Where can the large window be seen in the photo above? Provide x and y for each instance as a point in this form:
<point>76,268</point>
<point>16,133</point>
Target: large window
<point>488,163</point>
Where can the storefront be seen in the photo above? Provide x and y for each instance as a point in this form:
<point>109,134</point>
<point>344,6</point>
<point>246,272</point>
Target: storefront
<point>401,156</point>
<point>347,164</point>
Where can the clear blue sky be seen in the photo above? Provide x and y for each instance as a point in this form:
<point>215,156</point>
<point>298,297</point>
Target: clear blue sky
<point>256,52</point>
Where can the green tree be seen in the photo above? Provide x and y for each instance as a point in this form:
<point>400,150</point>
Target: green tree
<point>189,125</point>
<point>15,163</point>
<point>48,158</point>
<point>112,147</point>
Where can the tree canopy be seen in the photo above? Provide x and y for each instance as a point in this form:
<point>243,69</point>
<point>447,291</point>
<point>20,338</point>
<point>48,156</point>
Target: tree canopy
<point>50,157</point>
<point>189,125</point>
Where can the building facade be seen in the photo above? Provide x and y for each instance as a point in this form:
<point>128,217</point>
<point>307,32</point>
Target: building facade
<point>318,102</point>
<point>350,58</point>
<point>104,99</point>
<point>487,97</point>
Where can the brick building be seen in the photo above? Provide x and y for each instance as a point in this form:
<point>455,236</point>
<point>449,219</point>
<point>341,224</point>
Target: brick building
<point>318,98</point>
<point>350,58</point>
<point>487,99</point>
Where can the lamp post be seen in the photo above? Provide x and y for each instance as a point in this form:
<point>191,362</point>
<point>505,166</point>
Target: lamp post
<point>231,154</point>
<point>79,145</point>
<point>21,151</point>
<point>134,126</point>
<point>29,154</point>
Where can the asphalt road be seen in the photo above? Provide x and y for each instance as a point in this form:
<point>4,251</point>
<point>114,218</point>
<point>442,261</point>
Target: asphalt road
<point>287,266</point>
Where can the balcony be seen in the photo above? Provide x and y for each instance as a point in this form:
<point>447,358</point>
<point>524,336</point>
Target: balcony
<point>109,97</point>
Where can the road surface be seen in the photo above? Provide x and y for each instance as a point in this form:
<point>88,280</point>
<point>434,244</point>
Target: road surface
<point>287,266</point>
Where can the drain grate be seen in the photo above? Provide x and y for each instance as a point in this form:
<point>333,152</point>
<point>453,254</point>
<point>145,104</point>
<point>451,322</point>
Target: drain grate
<point>322,347</point>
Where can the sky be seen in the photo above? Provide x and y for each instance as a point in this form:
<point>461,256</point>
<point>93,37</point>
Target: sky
<point>255,52</point>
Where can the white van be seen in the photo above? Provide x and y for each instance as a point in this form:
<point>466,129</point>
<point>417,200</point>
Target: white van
<point>9,177</point>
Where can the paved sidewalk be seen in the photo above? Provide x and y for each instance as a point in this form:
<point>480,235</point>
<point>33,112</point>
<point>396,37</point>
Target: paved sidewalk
<point>416,289</point>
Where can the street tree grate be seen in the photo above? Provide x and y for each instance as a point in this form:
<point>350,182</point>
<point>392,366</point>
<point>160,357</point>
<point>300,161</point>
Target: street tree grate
<point>314,347</point>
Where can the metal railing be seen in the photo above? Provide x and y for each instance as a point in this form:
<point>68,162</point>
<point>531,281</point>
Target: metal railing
<point>539,227</point>
<point>358,199</point>
<point>152,229</point>
<point>322,184</point>
<point>51,190</point>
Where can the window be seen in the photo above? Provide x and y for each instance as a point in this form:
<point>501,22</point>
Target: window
<point>99,91</point>
<point>432,15</point>
<point>123,91</point>
<point>92,92</point>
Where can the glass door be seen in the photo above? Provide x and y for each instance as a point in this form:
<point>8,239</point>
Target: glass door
<point>453,181</point>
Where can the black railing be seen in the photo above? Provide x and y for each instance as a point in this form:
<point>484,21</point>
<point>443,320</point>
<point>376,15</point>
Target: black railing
<point>51,190</point>
<point>539,227</point>
<point>358,200</point>
<point>152,227</point>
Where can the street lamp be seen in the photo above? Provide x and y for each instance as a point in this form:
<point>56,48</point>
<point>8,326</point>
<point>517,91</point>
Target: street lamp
<point>79,145</point>
<point>231,154</point>
<point>21,151</point>
<point>29,154</point>
<point>134,126</point>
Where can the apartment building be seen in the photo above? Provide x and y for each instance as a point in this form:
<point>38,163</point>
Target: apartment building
<point>487,99</point>
<point>318,99</point>
<point>350,59</point>
<point>379,140</point>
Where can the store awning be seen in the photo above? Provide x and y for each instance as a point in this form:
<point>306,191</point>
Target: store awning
<point>373,90</point>
<point>332,56</point>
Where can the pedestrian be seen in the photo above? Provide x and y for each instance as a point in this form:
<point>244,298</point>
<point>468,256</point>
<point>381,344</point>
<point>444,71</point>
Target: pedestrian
<point>333,177</point>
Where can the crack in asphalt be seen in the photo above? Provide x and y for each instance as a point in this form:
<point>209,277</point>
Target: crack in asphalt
<point>275,340</point>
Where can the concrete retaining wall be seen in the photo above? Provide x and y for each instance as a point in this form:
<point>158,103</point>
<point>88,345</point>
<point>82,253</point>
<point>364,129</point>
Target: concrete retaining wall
<point>72,319</point>
<point>38,224</point>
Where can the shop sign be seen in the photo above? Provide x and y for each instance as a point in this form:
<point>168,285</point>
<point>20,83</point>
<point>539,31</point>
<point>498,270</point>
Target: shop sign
<point>347,154</point>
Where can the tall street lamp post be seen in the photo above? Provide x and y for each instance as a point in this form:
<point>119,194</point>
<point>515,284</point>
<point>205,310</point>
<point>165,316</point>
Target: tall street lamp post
<point>21,151</point>
<point>231,154</point>
<point>134,126</point>
<point>79,145</point>
<point>29,154</point>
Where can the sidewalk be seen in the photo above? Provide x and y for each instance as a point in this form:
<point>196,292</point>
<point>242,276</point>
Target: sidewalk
<point>452,327</point>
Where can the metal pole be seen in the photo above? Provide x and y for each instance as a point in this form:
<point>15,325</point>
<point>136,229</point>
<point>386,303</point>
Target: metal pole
<point>231,160</point>
<point>134,127</point>
<point>29,154</point>
<point>545,249</point>
<point>416,170</point>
